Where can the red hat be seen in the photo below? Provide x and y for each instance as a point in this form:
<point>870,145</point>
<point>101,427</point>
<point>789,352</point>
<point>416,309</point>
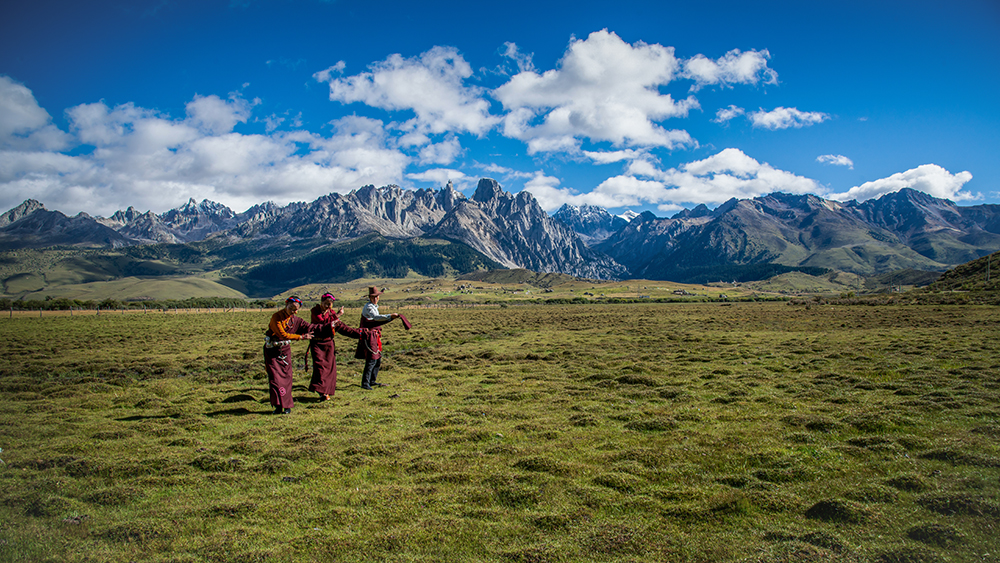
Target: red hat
<point>373,291</point>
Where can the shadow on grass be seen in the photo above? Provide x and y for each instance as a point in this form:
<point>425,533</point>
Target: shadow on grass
<point>240,411</point>
<point>241,398</point>
<point>147,417</point>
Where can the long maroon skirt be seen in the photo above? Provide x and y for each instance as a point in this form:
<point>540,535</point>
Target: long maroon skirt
<point>278,365</point>
<point>324,375</point>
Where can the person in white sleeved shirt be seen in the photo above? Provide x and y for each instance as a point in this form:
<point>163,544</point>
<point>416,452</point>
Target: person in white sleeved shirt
<point>370,349</point>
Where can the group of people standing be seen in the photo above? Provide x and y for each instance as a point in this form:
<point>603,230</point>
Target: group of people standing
<point>285,327</point>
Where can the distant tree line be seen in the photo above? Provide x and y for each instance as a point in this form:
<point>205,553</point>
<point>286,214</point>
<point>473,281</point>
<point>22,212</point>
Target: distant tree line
<point>64,304</point>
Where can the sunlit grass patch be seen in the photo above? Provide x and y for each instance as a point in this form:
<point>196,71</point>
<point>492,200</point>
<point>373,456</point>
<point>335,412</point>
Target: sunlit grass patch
<point>757,432</point>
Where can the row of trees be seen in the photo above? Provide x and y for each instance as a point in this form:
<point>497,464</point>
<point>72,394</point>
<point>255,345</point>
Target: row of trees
<point>63,304</point>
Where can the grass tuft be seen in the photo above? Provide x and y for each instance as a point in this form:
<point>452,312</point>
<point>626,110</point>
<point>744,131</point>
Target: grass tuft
<point>839,510</point>
<point>960,504</point>
<point>940,535</point>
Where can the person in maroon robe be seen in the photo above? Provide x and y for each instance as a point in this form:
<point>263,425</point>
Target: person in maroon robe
<point>370,347</point>
<point>281,331</point>
<point>322,349</point>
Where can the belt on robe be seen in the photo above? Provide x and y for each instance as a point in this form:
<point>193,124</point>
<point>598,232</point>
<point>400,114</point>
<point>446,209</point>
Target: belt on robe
<point>268,343</point>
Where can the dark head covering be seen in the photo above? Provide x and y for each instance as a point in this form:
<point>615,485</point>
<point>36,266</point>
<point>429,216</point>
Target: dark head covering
<point>293,299</point>
<point>328,295</point>
<point>373,291</point>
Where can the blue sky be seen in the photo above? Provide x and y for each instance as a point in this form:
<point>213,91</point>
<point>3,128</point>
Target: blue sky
<point>627,105</point>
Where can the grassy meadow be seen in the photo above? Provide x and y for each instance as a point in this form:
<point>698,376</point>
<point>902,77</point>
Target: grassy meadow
<point>709,432</point>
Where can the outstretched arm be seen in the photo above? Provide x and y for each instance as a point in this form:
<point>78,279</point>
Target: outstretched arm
<point>290,328</point>
<point>351,332</point>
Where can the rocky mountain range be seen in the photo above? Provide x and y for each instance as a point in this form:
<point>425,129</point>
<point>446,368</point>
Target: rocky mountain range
<point>30,225</point>
<point>390,211</point>
<point>191,222</point>
<point>903,230</point>
<point>516,232</point>
<point>513,231</point>
<point>907,229</point>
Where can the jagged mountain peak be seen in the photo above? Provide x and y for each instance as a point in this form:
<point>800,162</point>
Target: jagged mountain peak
<point>127,216</point>
<point>371,189</point>
<point>488,189</point>
<point>266,207</point>
<point>911,195</point>
<point>516,232</point>
<point>205,207</point>
<point>700,210</point>
<point>26,208</point>
<point>910,211</point>
<point>728,206</point>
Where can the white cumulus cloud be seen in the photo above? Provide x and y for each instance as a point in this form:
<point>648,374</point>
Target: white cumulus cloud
<point>607,157</point>
<point>928,178</point>
<point>216,116</point>
<point>522,60</point>
<point>437,176</point>
<point>431,85</point>
<point>136,156</point>
<point>713,180</point>
<point>551,197</point>
<point>724,115</point>
<point>442,153</point>
<point>783,118</point>
<point>603,90</point>
<point>734,67</point>
<point>24,125</point>
<point>836,159</point>
<point>508,174</point>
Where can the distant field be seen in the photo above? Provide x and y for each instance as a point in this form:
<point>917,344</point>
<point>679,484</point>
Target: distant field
<point>713,432</point>
<point>139,288</point>
<point>418,291</point>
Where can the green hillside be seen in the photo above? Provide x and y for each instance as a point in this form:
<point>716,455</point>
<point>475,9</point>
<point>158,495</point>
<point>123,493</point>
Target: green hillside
<point>214,268</point>
<point>369,256</point>
<point>978,275</point>
<point>798,282</point>
<point>133,288</point>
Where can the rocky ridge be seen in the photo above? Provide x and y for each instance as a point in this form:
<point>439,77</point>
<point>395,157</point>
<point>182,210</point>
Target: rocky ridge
<point>901,230</point>
<point>31,225</point>
<point>514,231</point>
